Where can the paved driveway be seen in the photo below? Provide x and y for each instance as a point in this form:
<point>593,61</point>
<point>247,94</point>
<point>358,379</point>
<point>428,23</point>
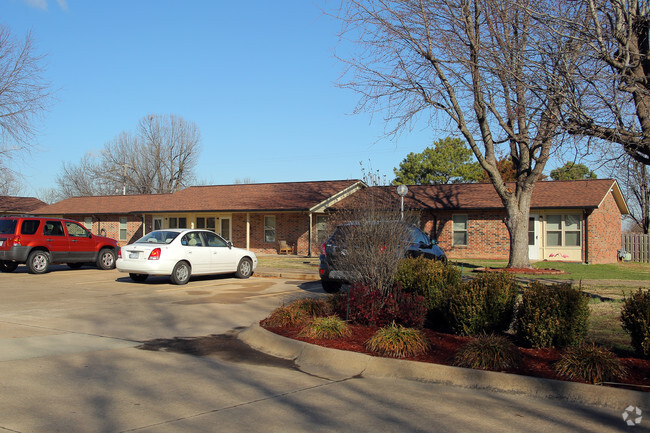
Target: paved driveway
<point>70,362</point>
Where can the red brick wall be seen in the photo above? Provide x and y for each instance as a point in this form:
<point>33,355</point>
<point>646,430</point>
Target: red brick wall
<point>487,238</point>
<point>604,232</point>
<point>110,224</point>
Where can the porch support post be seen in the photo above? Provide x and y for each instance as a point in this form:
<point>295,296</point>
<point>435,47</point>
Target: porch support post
<point>310,233</point>
<point>248,231</point>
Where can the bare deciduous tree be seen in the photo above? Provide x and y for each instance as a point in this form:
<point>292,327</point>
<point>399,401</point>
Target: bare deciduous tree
<point>372,239</point>
<point>609,86</point>
<point>486,66</point>
<point>24,96</point>
<point>634,180</point>
<point>159,158</point>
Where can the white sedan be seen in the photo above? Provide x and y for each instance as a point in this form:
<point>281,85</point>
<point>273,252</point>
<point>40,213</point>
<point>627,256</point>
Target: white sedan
<point>181,253</point>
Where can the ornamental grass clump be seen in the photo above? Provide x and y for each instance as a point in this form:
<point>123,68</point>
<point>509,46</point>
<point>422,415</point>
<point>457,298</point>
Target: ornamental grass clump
<point>327,328</point>
<point>313,307</point>
<point>398,342</point>
<point>488,352</point>
<point>635,319</point>
<point>590,363</point>
<point>286,316</point>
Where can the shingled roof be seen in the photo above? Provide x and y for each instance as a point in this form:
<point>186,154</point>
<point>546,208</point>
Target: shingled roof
<point>290,196</point>
<point>574,194</point>
<point>9,204</point>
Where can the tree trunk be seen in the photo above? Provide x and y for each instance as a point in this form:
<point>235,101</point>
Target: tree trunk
<point>517,213</point>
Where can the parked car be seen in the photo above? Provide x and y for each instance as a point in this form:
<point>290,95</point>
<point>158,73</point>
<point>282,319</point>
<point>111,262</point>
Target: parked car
<point>39,242</point>
<point>332,279</point>
<point>181,253</point>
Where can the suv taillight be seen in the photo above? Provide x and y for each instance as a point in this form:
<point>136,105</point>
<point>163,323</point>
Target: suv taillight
<point>15,240</point>
<point>323,249</point>
<point>155,254</point>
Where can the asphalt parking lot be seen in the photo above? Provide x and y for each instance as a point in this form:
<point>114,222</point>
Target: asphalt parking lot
<point>72,360</point>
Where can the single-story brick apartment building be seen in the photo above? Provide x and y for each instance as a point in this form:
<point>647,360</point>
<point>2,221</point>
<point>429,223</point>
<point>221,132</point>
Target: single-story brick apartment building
<point>570,220</point>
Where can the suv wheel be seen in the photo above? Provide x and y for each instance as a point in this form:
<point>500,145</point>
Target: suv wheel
<point>106,259</point>
<point>7,266</point>
<point>38,262</point>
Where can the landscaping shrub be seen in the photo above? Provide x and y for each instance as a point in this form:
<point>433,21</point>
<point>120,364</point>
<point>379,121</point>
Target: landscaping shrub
<point>431,279</point>
<point>590,363</point>
<point>488,352</point>
<point>313,307</point>
<point>286,315</point>
<point>330,327</point>
<point>552,316</point>
<point>483,305</point>
<point>398,341</point>
<point>365,305</point>
<point>635,319</point>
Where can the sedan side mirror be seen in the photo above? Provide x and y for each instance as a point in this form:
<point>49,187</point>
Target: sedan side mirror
<point>229,244</point>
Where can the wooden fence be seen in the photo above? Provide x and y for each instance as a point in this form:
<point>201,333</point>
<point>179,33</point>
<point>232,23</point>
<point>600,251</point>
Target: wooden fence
<point>638,245</point>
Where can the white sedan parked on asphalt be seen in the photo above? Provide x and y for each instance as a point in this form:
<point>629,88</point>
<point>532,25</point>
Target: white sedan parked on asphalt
<point>181,253</point>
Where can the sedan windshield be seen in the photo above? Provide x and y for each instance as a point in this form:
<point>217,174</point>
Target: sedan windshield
<point>158,237</point>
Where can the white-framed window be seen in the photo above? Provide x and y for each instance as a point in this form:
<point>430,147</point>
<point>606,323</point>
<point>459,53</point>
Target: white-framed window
<point>459,230</point>
<point>177,222</point>
<point>88,223</point>
<point>123,228</point>
<point>563,230</point>
<point>269,228</point>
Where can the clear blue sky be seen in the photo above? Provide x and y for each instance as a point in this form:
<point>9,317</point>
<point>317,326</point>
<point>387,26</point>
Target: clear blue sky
<point>258,77</point>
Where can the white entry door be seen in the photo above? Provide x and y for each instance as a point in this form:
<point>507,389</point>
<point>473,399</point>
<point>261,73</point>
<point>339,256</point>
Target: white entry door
<point>533,237</point>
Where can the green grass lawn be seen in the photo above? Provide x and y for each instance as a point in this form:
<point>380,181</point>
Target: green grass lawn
<point>573,271</point>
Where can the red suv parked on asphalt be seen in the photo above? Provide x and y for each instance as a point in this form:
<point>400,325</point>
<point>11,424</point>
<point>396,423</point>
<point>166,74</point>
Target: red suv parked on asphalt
<point>39,242</point>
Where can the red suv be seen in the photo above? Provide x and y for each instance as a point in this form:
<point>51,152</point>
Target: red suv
<point>38,242</point>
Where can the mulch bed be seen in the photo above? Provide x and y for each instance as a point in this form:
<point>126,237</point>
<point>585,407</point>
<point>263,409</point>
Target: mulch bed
<point>534,362</point>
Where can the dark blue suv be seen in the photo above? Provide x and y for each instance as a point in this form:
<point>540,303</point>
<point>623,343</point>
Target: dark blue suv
<point>332,279</point>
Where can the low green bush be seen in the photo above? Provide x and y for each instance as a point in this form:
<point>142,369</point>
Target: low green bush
<point>488,352</point>
<point>313,307</point>
<point>329,328</point>
<point>590,363</point>
<point>552,316</point>
<point>398,342</point>
<point>483,305</point>
<point>635,320</point>
<point>431,279</point>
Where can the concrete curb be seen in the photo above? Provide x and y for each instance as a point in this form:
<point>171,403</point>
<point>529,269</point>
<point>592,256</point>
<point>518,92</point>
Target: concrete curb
<point>337,364</point>
<point>290,275</point>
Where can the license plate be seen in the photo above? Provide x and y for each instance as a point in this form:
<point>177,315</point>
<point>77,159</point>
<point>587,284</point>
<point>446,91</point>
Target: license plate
<point>134,255</point>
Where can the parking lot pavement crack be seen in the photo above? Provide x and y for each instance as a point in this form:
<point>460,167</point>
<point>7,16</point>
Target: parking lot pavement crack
<point>234,406</point>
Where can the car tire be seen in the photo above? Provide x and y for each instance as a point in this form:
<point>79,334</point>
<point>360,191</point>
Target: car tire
<point>74,265</point>
<point>181,273</point>
<point>244,268</point>
<point>38,262</point>
<point>7,266</point>
<point>331,286</point>
<point>106,259</point>
<point>139,277</point>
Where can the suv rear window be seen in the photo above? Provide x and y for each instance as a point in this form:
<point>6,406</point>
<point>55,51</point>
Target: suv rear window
<point>8,227</point>
<point>29,227</point>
